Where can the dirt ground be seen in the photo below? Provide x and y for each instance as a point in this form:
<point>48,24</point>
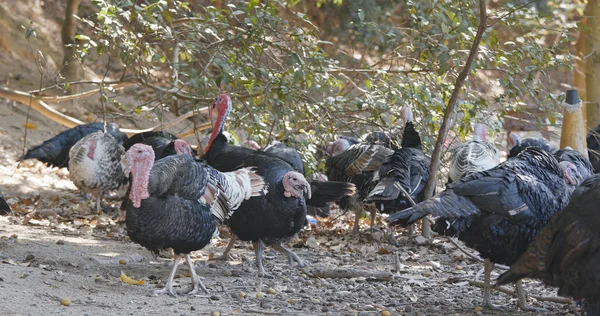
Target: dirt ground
<point>60,249</point>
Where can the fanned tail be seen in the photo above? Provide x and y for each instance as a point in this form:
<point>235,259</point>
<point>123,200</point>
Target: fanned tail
<point>447,206</point>
<point>226,191</point>
<point>329,191</point>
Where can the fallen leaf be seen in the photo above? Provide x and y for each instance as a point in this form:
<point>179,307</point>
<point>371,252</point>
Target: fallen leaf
<point>128,280</point>
<point>30,125</point>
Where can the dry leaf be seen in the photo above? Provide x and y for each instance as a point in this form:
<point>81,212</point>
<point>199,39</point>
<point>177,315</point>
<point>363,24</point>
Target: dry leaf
<point>129,280</point>
<point>30,125</point>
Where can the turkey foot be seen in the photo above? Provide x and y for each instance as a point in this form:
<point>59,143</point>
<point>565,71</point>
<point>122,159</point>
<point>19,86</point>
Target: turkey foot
<point>259,248</point>
<point>522,299</point>
<point>168,289</point>
<point>226,256</point>
<point>487,288</point>
<point>196,280</point>
<point>291,255</point>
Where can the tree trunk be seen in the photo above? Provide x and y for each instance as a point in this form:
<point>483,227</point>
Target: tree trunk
<point>592,69</point>
<point>449,112</point>
<point>71,69</point>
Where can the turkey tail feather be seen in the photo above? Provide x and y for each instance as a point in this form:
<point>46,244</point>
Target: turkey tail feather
<point>329,191</point>
<point>386,189</point>
<point>446,205</point>
<point>226,191</point>
<point>4,207</point>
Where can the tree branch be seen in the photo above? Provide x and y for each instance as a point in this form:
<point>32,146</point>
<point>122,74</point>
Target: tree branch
<point>439,144</point>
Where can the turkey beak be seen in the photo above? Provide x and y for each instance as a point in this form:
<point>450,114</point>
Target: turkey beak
<point>305,187</point>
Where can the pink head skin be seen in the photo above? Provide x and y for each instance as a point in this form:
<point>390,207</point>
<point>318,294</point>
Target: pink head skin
<point>251,144</point>
<point>140,159</point>
<point>337,146</point>
<point>295,185</point>
<point>570,172</point>
<point>480,132</point>
<point>91,148</point>
<point>182,147</point>
<point>222,103</point>
<point>406,114</point>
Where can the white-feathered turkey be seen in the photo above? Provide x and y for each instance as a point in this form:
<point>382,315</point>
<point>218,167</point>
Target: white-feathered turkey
<point>95,165</point>
<point>473,156</point>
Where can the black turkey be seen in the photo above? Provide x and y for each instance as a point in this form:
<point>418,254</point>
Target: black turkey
<point>519,144</point>
<point>404,172</point>
<point>275,218</point>
<point>176,202</point>
<point>55,151</point>
<point>566,253</point>
<point>473,156</point>
<point>96,167</point>
<point>499,211</point>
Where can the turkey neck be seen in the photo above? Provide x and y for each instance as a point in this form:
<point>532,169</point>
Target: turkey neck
<point>220,124</point>
<point>480,132</point>
<point>140,176</point>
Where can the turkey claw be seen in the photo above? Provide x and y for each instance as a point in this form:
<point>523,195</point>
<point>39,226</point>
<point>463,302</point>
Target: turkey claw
<point>168,291</point>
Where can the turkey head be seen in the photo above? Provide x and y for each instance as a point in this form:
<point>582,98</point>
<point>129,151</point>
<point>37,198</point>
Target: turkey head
<point>140,159</point>
<point>296,185</point>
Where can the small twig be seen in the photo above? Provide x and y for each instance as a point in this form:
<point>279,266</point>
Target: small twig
<point>505,290</point>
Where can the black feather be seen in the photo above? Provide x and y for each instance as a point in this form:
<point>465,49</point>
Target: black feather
<point>55,151</point>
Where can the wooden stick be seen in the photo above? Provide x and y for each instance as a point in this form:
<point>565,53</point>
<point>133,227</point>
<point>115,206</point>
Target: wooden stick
<point>39,106</point>
<point>347,273</point>
<point>505,290</point>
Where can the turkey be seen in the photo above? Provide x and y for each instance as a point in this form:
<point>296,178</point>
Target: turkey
<point>4,207</point>
<point>55,151</point>
<point>566,253</point>
<point>405,171</point>
<point>163,143</point>
<point>96,167</point>
<point>356,163</point>
<point>473,156</point>
<point>177,202</point>
<point>518,144</point>
<point>275,218</point>
<point>499,211</point>
<point>593,145</point>
<point>292,157</point>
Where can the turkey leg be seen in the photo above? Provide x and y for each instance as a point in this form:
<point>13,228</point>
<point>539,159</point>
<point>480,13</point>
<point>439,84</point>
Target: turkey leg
<point>259,248</point>
<point>373,212</point>
<point>291,255</point>
<point>168,289</point>
<point>196,280</point>
<point>487,289</point>
<point>356,227</point>
<point>226,256</point>
<point>522,299</point>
